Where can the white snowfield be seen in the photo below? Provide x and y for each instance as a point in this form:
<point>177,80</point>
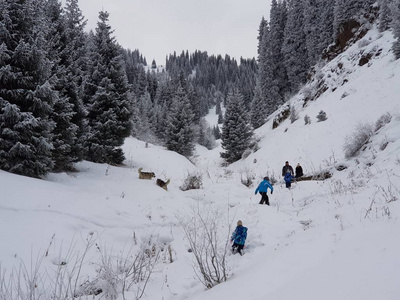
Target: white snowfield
<point>332,239</point>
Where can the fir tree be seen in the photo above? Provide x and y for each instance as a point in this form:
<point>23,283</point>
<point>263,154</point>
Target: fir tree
<point>325,24</point>
<point>236,130</point>
<point>107,98</point>
<point>294,47</point>
<point>312,30</point>
<point>26,97</point>
<point>217,132</point>
<point>64,135</point>
<point>74,60</point>
<point>396,28</point>
<point>385,16</point>
<point>275,57</point>
<point>179,132</point>
<point>258,113</point>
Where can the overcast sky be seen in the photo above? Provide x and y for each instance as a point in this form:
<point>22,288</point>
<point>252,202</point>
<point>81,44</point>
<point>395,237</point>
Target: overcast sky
<point>159,27</point>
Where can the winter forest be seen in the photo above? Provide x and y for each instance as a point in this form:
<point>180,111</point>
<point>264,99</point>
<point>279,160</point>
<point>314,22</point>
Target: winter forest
<point>124,178</point>
<point>68,95</point>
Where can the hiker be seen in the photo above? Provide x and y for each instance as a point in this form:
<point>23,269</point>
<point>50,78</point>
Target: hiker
<point>238,238</point>
<point>299,171</point>
<point>263,189</point>
<point>287,168</point>
<point>288,179</point>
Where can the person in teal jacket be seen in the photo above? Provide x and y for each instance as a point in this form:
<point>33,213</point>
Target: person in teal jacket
<point>239,238</point>
<point>263,189</point>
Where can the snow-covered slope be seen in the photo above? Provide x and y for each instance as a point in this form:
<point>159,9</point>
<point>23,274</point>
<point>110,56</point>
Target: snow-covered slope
<point>332,239</point>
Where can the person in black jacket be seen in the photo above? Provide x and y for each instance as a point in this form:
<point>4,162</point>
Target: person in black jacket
<point>299,171</point>
<point>287,168</point>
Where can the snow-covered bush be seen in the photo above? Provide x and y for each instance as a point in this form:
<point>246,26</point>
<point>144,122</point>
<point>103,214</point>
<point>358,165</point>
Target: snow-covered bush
<point>208,242</point>
<point>193,181</point>
<point>248,178</point>
<point>246,153</point>
<point>307,120</point>
<point>116,274</point>
<point>382,121</point>
<point>294,116</point>
<point>321,116</point>
<point>355,141</point>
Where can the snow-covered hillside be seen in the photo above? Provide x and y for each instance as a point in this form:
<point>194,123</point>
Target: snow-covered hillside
<point>331,239</point>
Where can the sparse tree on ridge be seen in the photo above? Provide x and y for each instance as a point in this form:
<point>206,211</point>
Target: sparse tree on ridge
<point>236,130</point>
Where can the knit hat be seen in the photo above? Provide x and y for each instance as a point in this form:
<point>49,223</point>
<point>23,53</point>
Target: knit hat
<point>239,223</point>
<point>266,178</point>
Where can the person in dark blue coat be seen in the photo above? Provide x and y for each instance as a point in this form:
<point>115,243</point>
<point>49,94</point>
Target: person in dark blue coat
<point>239,238</point>
<point>288,179</point>
<point>263,189</point>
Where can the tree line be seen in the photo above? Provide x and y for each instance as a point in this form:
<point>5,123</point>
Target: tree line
<point>68,95</point>
<point>301,36</point>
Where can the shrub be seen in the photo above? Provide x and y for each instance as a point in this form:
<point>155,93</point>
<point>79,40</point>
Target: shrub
<point>322,116</point>
<point>282,116</point>
<point>247,179</point>
<point>382,121</point>
<point>208,242</point>
<point>294,116</point>
<point>355,141</point>
<point>307,120</point>
<point>193,181</point>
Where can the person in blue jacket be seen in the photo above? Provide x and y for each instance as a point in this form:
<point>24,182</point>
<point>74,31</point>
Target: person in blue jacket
<point>263,189</point>
<point>239,238</point>
<point>288,179</point>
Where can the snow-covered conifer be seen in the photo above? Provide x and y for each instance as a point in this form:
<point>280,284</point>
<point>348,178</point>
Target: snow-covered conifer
<point>26,97</point>
<point>236,130</point>
<point>294,46</point>
<point>179,136</point>
<point>396,28</point>
<point>107,98</point>
<point>385,15</point>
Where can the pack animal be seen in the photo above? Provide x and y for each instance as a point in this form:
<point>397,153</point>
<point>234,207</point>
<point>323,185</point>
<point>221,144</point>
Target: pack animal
<point>162,183</point>
<point>145,175</point>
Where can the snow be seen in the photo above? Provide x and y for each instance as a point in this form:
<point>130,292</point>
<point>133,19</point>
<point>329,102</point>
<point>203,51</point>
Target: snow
<point>332,239</point>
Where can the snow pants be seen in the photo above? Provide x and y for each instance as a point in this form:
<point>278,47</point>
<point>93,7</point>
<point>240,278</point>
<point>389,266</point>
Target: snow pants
<point>264,198</point>
<point>238,248</point>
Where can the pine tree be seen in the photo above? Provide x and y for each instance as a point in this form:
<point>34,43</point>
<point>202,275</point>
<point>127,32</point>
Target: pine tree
<point>179,131</point>
<point>396,28</point>
<point>217,132</point>
<point>325,24</point>
<point>26,97</point>
<point>206,135</point>
<point>348,13</point>
<point>385,16</point>
<point>294,47</point>
<point>258,112</point>
<point>236,130</point>
<point>74,58</point>
<point>64,135</point>
<point>261,34</point>
<point>278,86</point>
<point>107,98</point>
<point>312,30</point>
